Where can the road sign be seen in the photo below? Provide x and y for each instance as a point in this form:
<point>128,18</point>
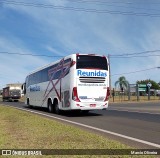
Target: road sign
<point>142,89</point>
<point>149,84</point>
<point>142,85</point>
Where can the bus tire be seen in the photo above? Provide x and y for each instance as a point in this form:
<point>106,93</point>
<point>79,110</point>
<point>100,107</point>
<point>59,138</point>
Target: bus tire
<point>28,104</point>
<point>56,108</point>
<point>50,106</point>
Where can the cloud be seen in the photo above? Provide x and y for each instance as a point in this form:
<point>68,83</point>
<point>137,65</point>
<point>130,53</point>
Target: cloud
<point>61,32</point>
<point>55,51</point>
<point>14,68</point>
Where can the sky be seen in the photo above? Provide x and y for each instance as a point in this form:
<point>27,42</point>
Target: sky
<point>58,28</point>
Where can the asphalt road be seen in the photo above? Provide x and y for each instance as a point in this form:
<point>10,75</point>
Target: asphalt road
<point>137,120</point>
<point>142,107</point>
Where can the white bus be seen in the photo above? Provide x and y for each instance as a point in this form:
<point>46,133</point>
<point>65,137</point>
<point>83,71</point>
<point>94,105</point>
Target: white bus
<point>76,82</point>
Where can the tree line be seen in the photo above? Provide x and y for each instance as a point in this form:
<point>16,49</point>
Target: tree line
<point>123,84</point>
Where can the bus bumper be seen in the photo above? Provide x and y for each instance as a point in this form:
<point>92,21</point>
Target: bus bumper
<point>89,106</point>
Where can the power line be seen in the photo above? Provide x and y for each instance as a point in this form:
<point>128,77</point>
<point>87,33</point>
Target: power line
<point>114,2</point>
<point>111,4</point>
<point>126,73</point>
<point>79,9</point>
<point>63,56</point>
<point>136,56</point>
<point>31,54</point>
<point>128,54</point>
<point>43,55</point>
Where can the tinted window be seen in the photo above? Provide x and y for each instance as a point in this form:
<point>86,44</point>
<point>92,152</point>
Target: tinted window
<point>93,62</point>
<point>43,75</point>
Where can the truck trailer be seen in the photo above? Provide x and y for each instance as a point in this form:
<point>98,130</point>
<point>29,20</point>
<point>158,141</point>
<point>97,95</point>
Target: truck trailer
<point>11,93</point>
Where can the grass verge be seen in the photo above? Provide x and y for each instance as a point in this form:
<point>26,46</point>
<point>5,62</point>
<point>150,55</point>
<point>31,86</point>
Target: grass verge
<point>23,130</point>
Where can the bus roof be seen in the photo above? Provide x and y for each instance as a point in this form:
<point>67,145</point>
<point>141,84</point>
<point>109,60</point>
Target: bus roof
<point>55,62</point>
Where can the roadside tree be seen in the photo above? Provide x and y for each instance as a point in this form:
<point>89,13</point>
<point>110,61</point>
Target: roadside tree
<point>155,85</point>
<point>122,83</point>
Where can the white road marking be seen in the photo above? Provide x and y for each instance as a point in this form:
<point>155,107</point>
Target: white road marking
<point>94,128</point>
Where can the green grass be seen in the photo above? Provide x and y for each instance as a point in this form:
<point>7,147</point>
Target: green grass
<point>24,130</point>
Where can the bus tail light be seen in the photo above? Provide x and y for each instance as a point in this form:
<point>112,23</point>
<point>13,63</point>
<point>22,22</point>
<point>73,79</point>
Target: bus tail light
<point>108,94</point>
<point>75,94</point>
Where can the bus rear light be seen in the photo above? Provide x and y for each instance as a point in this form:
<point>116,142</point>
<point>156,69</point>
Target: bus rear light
<point>108,94</point>
<point>75,94</point>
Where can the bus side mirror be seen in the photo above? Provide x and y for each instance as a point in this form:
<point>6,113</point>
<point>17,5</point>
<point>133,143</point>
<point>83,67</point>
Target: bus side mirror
<point>23,88</point>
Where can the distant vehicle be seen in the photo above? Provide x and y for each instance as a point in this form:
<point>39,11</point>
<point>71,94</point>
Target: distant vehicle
<point>11,94</point>
<point>158,92</point>
<point>76,82</point>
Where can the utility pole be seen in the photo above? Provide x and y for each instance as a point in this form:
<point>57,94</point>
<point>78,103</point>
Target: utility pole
<point>137,90</point>
<point>109,73</point>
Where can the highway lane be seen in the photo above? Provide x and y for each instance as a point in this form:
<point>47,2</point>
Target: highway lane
<point>143,126</point>
<point>145,107</point>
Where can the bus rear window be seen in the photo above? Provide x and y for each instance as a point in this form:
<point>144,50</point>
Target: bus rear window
<point>91,62</point>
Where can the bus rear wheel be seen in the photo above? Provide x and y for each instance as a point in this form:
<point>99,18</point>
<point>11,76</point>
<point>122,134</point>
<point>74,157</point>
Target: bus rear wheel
<point>28,104</point>
<point>50,106</point>
<point>56,108</point>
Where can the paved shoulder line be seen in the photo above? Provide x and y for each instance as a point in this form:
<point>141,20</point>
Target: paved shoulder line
<point>91,127</point>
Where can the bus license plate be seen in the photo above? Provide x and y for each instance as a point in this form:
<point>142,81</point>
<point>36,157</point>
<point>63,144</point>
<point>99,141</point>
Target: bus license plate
<point>92,105</point>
